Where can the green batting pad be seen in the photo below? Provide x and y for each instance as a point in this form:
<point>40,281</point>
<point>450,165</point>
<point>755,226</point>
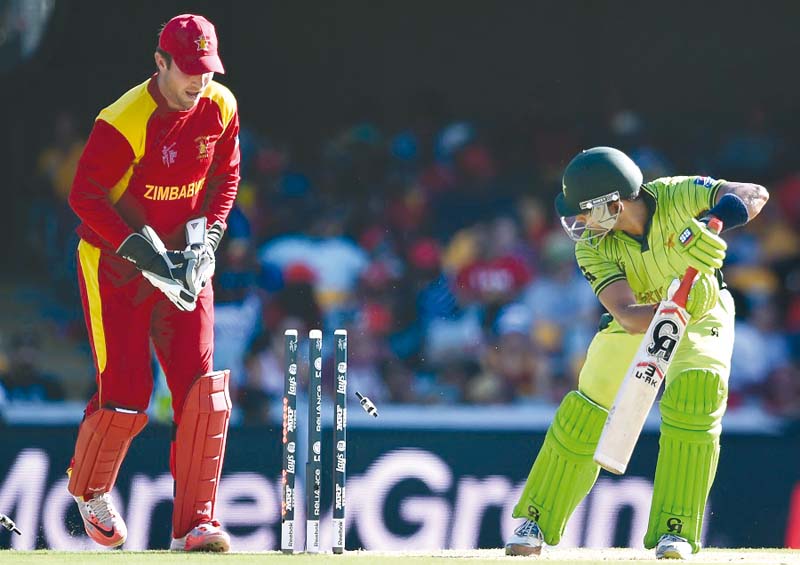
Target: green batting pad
<point>564,470</point>
<point>691,422</point>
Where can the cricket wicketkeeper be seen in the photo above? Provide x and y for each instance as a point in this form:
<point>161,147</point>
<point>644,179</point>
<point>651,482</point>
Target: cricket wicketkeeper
<point>632,241</point>
<point>153,189</point>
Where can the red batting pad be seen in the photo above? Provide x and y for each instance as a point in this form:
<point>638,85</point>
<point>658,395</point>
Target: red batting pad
<point>199,450</point>
<point>103,441</point>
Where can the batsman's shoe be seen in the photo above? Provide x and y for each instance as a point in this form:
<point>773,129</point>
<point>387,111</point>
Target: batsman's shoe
<point>208,536</point>
<point>103,523</point>
<point>673,547</point>
<point>527,540</point>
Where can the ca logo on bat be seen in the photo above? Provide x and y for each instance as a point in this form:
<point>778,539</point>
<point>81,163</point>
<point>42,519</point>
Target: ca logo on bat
<point>665,337</point>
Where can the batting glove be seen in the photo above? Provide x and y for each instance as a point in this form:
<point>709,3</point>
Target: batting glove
<point>702,249</point>
<point>703,295</point>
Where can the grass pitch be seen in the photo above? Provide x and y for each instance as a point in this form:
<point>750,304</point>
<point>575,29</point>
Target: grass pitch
<point>551,556</point>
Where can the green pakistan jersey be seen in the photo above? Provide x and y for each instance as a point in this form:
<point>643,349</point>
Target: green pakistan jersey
<point>651,263</point>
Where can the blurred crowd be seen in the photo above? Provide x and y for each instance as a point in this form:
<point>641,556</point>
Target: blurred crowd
<point>436,246</point>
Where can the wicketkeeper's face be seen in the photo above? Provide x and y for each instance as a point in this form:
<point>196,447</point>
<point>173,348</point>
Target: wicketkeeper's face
<point>182,91</point>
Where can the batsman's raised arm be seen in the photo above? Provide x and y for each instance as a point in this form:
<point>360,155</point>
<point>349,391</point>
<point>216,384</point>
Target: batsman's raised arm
<point>735,203</point>
<point>752,196</point>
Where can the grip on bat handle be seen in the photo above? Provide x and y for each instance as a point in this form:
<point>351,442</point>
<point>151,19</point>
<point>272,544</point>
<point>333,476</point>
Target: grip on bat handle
<point>682,294</point>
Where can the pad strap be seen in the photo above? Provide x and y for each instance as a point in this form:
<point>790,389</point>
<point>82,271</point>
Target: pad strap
<point>103,441</point>
<point>199,450</point>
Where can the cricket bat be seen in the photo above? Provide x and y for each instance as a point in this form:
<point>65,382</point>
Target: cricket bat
<point>642,382</point>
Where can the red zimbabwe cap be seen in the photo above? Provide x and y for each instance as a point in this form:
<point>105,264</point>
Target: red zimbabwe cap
<point>192,42</point>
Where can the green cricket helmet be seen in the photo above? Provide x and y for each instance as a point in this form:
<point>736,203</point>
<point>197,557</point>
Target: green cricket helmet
<point>592,180</point>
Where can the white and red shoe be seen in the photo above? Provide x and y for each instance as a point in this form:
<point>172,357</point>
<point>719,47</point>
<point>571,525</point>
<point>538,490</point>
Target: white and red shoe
<point>208,536</point>
<point>101,520</point>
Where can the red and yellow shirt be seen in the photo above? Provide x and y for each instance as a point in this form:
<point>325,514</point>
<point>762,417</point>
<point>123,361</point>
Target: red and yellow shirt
<point>145,163</point>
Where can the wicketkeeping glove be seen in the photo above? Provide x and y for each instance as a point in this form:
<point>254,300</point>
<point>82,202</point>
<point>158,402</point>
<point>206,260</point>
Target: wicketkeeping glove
<point>201,246</point>
<point>702,249</point>
<point>162,268</point>
<point>703,296</point>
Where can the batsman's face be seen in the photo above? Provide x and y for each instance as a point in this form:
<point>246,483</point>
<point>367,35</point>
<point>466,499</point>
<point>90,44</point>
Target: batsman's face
<point>595,223</point>
<point>181,91</point>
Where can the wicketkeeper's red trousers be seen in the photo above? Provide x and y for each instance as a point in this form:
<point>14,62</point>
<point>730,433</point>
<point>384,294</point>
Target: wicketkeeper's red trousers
<point>124,312</point>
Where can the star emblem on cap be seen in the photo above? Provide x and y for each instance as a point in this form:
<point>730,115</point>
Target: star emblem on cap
<point>203,43</point>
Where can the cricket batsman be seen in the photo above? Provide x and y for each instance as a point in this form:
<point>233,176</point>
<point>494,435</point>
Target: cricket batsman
<point>153,189</point>
<point>632,241</point>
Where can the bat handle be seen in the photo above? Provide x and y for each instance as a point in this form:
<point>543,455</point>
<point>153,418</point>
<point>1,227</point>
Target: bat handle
<point>682,294</point>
